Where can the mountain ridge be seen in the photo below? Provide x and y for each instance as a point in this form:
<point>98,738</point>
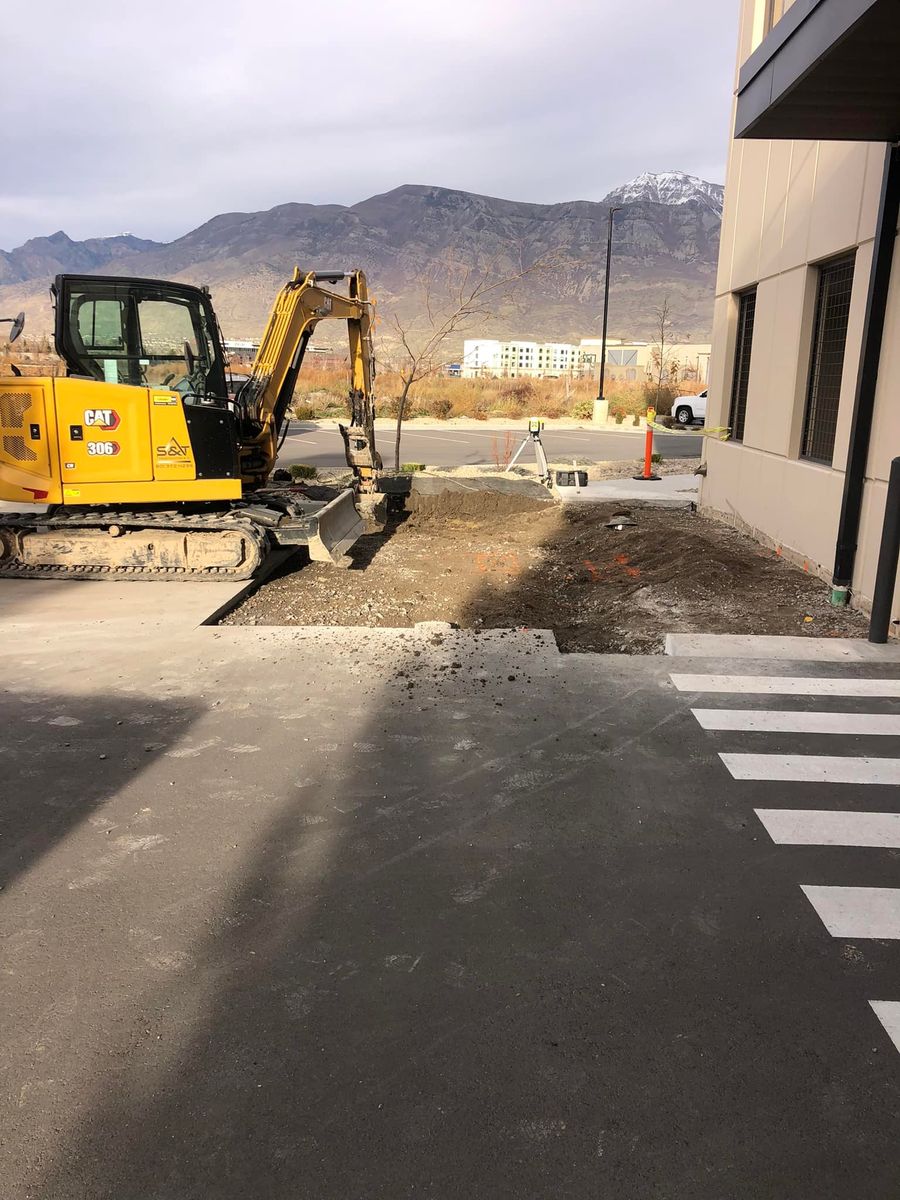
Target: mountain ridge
<point>666,244</point>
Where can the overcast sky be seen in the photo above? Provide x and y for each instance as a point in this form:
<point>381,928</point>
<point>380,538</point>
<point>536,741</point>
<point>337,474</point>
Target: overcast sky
<point>153,117</point>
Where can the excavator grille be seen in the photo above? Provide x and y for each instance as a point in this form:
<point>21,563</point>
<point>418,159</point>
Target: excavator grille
<point>16,448</point>
<point>13,407</point>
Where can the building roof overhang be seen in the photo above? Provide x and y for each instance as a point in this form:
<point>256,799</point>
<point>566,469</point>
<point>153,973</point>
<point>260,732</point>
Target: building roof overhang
<point>829,70</point>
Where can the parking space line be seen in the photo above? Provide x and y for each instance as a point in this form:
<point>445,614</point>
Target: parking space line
<point>768,721</point>
<point>775,685</point>
<point>857,912</point>
<point>815,827</point>
<point>813,768</point>
<point>411,434</point>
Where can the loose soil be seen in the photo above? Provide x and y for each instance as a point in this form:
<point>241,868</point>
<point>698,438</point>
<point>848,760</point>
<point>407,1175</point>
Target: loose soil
<point>558,568</point>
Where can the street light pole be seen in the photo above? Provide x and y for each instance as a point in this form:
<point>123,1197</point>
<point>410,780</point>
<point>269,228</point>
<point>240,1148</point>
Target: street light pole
<point>612,213</point>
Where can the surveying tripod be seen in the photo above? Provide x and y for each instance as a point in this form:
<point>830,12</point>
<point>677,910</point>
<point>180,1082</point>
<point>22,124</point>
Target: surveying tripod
<point>535,425</point>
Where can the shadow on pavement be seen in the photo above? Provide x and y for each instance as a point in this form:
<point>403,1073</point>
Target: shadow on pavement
<point>64,755</point>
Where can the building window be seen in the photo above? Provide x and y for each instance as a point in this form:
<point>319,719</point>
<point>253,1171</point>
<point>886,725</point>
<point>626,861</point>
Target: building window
<point>827,366</point>
<point>775,10</point>
<point>741,379</point>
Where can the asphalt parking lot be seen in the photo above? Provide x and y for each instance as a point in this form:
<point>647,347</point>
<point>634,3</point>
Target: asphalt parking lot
<point>330,913</point>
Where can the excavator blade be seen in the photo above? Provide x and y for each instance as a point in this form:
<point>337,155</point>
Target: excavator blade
<point>328,529</point>
<point>338,525</point>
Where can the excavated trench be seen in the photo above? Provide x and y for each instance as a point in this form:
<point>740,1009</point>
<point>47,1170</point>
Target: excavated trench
<point>502,557</point>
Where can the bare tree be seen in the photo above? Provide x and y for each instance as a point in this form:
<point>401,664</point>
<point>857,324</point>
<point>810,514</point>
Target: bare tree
<point>454,299</point>
<point>663,361</point>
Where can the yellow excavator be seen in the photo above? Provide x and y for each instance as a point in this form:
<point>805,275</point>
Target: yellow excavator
<point>148,465</point>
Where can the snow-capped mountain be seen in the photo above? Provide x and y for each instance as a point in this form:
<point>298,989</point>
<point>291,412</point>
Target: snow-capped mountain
<point>669,187</point>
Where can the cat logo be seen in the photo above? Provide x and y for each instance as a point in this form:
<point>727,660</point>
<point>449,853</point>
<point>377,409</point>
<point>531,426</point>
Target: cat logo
<point>101,418</point>
<point>172,449</point>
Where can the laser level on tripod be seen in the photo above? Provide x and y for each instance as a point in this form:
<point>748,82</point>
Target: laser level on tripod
<point>535,425</point>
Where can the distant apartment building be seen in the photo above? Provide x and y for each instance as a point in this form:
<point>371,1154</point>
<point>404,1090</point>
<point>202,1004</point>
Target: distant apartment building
<point>806,346</point>
<point>628,361</point>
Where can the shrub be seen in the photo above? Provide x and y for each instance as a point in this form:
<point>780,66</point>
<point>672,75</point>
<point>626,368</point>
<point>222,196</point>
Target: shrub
<point>482,406</point>
<point>409,468</point>
<point>583,410</point>
<point>656,458</point>
<point>512,409</point>
<point>302,471</point>
<point>522,390</point>
<point>440,407</point>
<point>551,408</point>
<point>303,412</point>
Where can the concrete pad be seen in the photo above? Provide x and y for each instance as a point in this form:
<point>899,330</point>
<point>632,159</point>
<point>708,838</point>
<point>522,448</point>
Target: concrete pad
<point>34,605</point>
<point>671,491</point>
<point>507,485</point>
<point>796,649</point>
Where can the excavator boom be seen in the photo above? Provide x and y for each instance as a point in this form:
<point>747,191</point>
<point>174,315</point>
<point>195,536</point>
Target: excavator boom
<point>264,400</point>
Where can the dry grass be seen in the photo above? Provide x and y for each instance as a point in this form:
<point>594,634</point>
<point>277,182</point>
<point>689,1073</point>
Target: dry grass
<point>32,355</point>
<point>321,392</point>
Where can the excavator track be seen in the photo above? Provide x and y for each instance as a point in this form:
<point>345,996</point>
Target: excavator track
<point>130,544</point>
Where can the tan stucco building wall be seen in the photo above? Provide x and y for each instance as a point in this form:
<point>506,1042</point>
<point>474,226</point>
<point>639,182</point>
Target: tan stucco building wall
<point>789,206</point>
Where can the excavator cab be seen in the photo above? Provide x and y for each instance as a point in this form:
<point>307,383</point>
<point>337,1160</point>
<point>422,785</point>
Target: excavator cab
<point>142,332</point>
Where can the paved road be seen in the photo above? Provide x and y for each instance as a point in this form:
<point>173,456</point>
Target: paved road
<point>322,447</point>
<point>327,914</point>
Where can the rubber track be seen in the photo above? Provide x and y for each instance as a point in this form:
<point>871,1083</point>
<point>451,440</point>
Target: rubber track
<point>255,535</point>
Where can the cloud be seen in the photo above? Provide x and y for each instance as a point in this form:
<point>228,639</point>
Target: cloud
<point>154,118</point>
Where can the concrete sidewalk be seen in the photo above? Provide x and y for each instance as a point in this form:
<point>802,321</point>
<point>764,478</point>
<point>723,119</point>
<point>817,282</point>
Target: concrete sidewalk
<point>671,491</point>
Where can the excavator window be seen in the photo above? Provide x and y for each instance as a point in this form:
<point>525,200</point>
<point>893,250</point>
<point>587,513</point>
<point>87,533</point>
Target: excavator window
<point>141,332</point>
<point>166,327</point>
<point>100,326</point>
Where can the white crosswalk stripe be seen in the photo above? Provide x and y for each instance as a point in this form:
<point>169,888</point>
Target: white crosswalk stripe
<point>888,1013</point>
<point>775,685</point>
<point>767,721</point>
<point>818,827</point>
<point>846,912</point>
<point>812,768</point>
<point>856,912</point>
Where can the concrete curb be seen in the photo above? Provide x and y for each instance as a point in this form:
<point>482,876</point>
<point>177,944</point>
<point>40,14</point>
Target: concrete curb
<point>786,649</point>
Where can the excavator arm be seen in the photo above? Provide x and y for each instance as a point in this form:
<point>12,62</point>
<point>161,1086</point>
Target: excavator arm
<point>263,401</point>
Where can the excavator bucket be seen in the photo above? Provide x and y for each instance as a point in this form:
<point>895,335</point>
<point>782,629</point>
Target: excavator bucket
<point>337,525</point>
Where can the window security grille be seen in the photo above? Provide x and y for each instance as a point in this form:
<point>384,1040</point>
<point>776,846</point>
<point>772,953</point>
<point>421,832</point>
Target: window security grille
<point>741,379</point>
<point>827,366</point>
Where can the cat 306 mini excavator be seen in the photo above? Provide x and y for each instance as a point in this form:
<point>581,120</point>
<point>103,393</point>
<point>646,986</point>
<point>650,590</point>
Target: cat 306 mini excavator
<point>149,468</point>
